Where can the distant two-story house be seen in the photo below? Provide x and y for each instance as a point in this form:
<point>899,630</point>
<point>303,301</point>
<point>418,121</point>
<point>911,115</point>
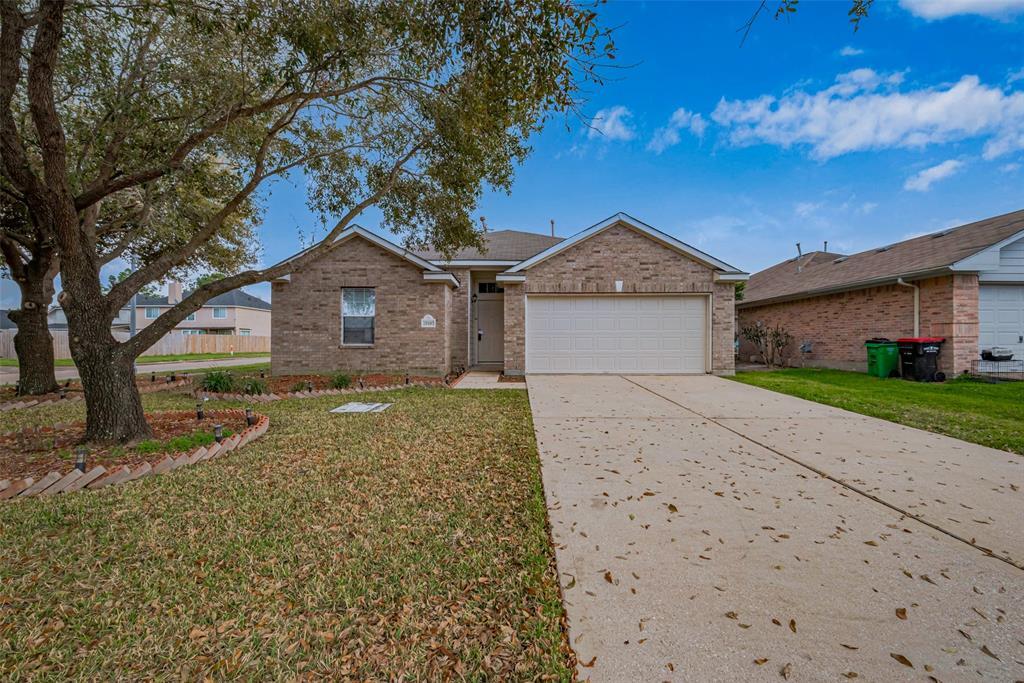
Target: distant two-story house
<point>234,312</point>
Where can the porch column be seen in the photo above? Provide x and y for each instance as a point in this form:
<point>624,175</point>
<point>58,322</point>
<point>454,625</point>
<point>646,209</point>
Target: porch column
<point>515,328</point>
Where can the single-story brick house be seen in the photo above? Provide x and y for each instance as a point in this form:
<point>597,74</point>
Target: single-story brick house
<point>617,297</point>
<point>964,284</point>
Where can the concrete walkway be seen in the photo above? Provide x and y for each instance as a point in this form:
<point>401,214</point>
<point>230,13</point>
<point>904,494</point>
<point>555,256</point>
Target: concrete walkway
<point>9,375</point>
<point>708,530</point>
<point>485,379</point>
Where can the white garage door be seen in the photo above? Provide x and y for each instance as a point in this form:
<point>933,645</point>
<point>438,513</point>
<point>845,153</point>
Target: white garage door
<point>616,334</point>
<point>1001,317</point>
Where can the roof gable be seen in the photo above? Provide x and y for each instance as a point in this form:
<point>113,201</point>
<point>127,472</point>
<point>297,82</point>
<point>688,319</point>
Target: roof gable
<point>638,226</point>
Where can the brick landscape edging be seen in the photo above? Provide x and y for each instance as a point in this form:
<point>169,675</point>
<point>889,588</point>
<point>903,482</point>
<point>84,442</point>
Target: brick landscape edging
<point>77,397</point>
<point>98,477</point>
<point>316,393</point>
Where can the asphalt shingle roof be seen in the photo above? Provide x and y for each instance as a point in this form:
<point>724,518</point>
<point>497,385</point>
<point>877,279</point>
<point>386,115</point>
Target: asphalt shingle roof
<point>502,245</point>
<point>821,271</point>
<point>235,297</point>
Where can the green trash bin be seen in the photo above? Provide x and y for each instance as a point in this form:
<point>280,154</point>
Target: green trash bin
<point>883,358</point>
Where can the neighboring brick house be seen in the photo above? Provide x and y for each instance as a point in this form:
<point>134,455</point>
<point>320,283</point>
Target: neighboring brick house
<point>964,284</point>
<point>618,297</point>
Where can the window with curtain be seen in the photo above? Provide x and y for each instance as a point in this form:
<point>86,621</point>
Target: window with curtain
<point>358,309</point>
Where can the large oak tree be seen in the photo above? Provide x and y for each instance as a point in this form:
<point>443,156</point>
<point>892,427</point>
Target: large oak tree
<point>411,106</point>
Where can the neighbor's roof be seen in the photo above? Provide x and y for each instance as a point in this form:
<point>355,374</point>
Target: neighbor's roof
<point>235,297</point>
<point>821,272</point>
<point>500,245</point>
<point>5,322</point>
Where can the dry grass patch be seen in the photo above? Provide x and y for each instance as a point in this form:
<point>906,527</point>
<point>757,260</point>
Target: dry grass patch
<point>410,543</point>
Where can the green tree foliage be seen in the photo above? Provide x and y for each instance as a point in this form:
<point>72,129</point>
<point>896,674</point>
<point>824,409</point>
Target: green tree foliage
<point>110,110</point>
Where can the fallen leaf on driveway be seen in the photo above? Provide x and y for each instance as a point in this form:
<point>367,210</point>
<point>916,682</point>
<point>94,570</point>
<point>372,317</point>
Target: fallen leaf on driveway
<point>901,659</point>
<point>901,613</point>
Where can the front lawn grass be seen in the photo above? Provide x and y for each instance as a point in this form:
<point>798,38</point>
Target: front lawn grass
<point>409,544</point>
<point>979,412</point>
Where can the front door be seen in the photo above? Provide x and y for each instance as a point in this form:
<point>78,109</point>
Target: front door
<point>490,323</point>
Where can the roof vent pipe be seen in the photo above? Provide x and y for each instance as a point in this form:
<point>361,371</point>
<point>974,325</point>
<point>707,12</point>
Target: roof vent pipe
<point>917,304</point>
<point>552,227</point>
<point>483,222</point>
<point>799,255</point>
<point>826,247</point>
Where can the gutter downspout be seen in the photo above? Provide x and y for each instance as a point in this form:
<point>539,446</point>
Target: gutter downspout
<point>917,304</point>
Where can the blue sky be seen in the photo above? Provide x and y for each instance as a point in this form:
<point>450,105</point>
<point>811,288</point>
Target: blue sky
<point>808,132</point>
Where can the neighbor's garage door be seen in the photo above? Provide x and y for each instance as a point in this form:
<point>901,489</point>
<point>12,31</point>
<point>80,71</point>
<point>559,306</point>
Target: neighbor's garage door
<point>616,334</point>
<point>1001,317</point>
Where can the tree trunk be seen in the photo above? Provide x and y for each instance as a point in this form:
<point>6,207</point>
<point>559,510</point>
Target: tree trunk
<point>113,405</point>
<point>34,348</point>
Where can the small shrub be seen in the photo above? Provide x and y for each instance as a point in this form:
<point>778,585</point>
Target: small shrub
<point>771,342</point>
<point>254,385</point>
<point>218,381</point>
<point>298,386</point>
<point>340,380</point>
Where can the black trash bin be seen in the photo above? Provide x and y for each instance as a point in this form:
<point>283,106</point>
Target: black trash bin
<point>919,358</point>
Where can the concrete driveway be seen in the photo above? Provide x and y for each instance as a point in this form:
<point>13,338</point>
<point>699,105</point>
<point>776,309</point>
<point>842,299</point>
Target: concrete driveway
<point>709,530</point>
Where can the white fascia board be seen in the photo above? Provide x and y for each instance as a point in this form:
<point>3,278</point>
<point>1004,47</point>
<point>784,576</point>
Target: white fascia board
<point>469,263</point>
<point>510,277</point>
<point>447,278</point>
<point>731,277</point>
<point>987,258</point>
<point>637,225</point>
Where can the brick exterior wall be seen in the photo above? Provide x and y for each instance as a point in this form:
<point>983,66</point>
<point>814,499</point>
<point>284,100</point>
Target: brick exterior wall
<point>459,334</point>
<point>838,324</point>
<point>307,315</point>
<point>643,266</point>
<point>515,328</point>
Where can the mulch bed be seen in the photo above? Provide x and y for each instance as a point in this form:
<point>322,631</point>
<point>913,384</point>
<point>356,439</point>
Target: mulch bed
<point>35,452</point>
<point>285,383</point>
<point>512,378</point>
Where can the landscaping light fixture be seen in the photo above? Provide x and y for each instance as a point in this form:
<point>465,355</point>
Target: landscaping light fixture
<point>309,385</point>
<point>360,382</point>
<point>152,377</point>
<point>80,459</point>
<point>263,374</point>
<point>250,418</point>
<point>63,393</point>
<point>407,378</point>
<point>200,414</point>
<point>218,433</point>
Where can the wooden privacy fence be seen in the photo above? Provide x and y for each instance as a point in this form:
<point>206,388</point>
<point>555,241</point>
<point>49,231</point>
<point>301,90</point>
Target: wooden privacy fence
<point>173,344</point>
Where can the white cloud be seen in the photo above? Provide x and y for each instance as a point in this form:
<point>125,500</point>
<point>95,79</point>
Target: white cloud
<point>922,181</point>
<point>850,51</point>
<point>868,207</point>
<point>1011,167</point>
<point>612,124</point>
<point>669,135</point>
<point>941,9</point>
<point>805,209</point>
<point>1015,76</point>
<point>865,110</point>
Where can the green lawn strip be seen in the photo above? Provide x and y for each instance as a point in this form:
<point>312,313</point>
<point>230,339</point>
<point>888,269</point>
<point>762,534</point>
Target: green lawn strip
<point>979,412</point>
<point>143,360</point>
<point>405,544</point>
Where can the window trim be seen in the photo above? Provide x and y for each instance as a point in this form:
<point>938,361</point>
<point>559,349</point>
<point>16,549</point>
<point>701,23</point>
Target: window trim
<point>223,309</point>
<point>373,329</point>
<point>191,317</point>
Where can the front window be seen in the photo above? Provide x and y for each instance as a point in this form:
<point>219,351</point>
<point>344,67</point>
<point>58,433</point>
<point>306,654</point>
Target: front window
<point>219,312</point>
<point>190,317</point>
<point>358,309</point>
<point>245,332</point>
<point>152,312</point>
